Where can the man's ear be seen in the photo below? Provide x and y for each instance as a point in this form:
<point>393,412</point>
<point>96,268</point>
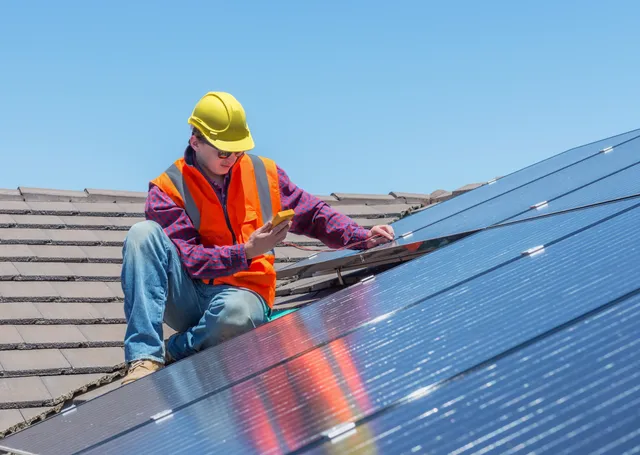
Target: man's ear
<point>193,142</point>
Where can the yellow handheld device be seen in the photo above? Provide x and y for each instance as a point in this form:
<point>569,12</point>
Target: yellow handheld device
<point>285,215</point>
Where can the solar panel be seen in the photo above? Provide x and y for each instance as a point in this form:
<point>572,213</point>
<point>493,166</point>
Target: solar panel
<point>220,375</point>
<point>507,197</point>
<point>293,405</point>
<point>575,391</point>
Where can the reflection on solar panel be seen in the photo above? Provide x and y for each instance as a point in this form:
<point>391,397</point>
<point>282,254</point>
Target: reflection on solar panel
<point>508,197</point>
<point>455,351</point>
<point>575,391</point>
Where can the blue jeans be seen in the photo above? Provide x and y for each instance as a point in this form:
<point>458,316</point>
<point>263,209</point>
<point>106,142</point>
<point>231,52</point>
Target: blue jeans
<point>157,288</point>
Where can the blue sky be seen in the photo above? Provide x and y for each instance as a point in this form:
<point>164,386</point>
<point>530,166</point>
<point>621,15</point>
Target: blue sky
<point>347,96</point>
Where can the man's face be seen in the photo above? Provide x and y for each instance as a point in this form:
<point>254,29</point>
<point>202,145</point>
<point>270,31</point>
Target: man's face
<point>208,157</point>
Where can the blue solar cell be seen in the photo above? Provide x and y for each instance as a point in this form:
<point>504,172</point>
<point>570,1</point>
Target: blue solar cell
<point>577,391</point>
<point>464,213</point>
<point>216,370</point>
<point>442,336</point>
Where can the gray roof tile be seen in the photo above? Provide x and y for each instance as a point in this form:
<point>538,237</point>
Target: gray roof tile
<point>131,208</point>
<point>10,335</point>
<point>32,360</point>
<point>116,288</point>
<point>441,195</point>
<point>94,357</point>
<point>14,207</point>
<point>63,312</point>
<point>357,210</point>
<point>466,188</point>
<point>50,334</point>
<point>54,208</point>
<point>106,271</point>
<point>23,390</point>
<point>45,194</point>
<point>126,222</point>
<point>327,198</point>
<point>13,252</point>
<point>8,271</point>
<point>19,311</point>
<point>370,222</point>
<point>115,195</point>
<point>103,253</point>
<point>51,221</point>
<point>58,252</point>
<point>111,236</point>
<point>43,270</point>
<point>100,208</point>
<point>27,290</point>
<point>112,310</point>
<point>61,385</point>
<point>364,198</point>
<point>89,221</point>
<point>301,239</point>
<point>98,222</point>
<point>7,221</point>
<point>24,235</point>
<point>86,291</point>
<point>10,195</point>
<point>104,332</point>
<point>9,418</point>
<point>75,236</point>
<point>393,210</point>
<point>413,197</point>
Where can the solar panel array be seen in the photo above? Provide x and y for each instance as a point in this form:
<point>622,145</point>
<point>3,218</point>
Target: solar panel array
<point>520,337</point>
<point>594,168</point>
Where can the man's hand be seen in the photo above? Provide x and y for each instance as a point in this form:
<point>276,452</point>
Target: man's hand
<point>379,235</point>
<point>265,239</point>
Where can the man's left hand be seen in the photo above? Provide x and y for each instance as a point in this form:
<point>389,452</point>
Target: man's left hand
<point>379,235</point>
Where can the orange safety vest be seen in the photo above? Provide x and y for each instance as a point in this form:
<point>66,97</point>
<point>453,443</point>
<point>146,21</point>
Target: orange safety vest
<point>253,198</point>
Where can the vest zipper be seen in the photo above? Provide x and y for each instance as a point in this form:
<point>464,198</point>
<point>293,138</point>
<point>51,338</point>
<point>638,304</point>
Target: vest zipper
<point>224,209</point>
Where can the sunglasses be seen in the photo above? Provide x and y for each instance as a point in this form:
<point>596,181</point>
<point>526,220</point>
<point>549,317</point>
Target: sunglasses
<point>224,155</point>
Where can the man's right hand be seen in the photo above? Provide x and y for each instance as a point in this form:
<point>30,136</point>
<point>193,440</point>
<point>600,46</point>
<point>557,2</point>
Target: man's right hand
<point>265,239</point>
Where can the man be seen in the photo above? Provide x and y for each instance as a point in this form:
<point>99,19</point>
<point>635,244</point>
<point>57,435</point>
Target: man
<point>203,261</point>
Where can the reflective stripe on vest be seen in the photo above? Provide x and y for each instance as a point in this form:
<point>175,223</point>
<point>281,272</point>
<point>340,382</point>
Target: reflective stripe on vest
<point>189,204</point>
<point>262,182</point>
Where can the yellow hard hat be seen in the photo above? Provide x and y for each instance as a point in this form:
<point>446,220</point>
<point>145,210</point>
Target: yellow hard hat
<point>222,121</point>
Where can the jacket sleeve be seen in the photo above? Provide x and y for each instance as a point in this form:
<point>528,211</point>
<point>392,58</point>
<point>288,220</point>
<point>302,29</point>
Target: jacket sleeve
<point>200,262</point>
<point>316,219</point>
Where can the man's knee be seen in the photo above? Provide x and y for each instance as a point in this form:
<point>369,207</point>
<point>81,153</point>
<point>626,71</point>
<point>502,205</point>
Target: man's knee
<point>142,233</point>
<point>240,316</point>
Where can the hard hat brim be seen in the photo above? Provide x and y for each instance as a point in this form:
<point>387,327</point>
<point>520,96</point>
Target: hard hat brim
<point>242,145</point>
